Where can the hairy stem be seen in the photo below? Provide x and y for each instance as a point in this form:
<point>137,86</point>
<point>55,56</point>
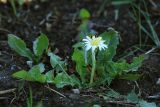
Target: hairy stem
<point>85,56</point>
<point>93,67</point>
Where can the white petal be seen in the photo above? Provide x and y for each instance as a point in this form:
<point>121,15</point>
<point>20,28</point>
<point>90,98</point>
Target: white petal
<point>100,48</point>
<point>105,46</point>
<point>88,47</point>
<point>93,37</point>
<point>86,43</point>
<point>88,38</point>
<point>85,40</point>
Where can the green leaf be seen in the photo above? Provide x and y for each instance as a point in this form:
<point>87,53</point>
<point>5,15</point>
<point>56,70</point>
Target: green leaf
<point>111,37</point>
<point>113,94</point>
<point>121,2</point>
<point>49,77</point>
<point>112,40</point>
<point>78,45</point>
<point>84,14</point>
<point>132,97</point>
<point>78,57</point>
<point>56,62</point>
<point>84,29</point>
<point>62,79</point>
<point>137,62</point>
<point>23,75</point>
<point>131,77</point>
<point>19,46</point>
<point>75,81</point>
<point>41,67</point>
<point>54,59</point>
<point>121,68</point>
<point>143,103</point>
<point>35,73</point>
<point>21,2</point>
<point>40,44</point>
<point>96,105</point>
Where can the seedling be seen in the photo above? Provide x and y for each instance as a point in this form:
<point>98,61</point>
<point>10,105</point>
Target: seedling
<point>84,28</point>
<point>56,75</point>
<point>40,45</point>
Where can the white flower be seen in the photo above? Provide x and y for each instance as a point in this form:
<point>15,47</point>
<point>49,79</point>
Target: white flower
<point>93,43</point>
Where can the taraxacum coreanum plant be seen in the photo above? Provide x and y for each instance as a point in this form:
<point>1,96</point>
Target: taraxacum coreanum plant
<point>93,44</point>
<point>94,58</point>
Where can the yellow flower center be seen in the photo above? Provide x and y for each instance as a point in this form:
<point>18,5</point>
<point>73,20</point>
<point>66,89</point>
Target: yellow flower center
<point>96,41</point>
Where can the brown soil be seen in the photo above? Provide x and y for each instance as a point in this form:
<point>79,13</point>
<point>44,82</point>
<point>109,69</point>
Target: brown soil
<point>64,21</point>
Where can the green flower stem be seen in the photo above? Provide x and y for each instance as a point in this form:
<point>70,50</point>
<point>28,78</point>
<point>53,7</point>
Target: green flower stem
<point>85,55</point>
<point>93,68</point>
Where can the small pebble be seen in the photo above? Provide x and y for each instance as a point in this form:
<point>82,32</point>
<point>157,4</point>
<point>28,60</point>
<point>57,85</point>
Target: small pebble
<point>74,96</point>
<point>48,27</point>
<point>30,63</point>
<point>36,7</point>
<point>13,67</point>
<point>76,91</point>
<point>1,66</point>
<point>158,82</point>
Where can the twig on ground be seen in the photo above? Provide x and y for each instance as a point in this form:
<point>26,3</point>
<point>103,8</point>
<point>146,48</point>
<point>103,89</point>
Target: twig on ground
<point>153,3</point>
<point>3,98</point>
<point>151,50</point>
<point>7,91</point>
<point>5,30</point>
<point>121,103</point>
<point>14,98</point>
<point>55,91</point>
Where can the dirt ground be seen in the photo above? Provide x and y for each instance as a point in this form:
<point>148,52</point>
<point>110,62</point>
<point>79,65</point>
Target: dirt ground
<point>59,21</point>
